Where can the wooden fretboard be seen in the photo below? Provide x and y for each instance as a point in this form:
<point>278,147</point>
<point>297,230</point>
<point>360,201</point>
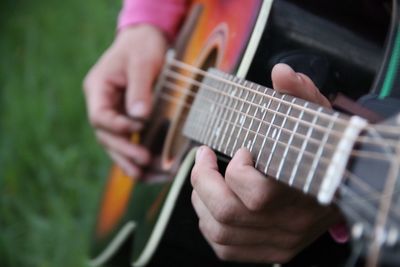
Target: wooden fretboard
<point>290,139</point>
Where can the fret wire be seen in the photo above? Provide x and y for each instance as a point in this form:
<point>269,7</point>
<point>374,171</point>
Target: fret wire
<point>214,111</point>
<point>264,112</point>
<point>302,149</point>
<point>272,154</point>
<point>318,154</point>
<point>267,134</point>
<point>225,115</point>
<point>288,144</point>
<point>218,78</point>
<point>214,130</point>
<point>319,128</point>
<point>251,122</point>
<point>249,145</point>
<point>218,136</point>
<point>231,132</point>
<point>204,115</point>
<point>242,121</point>
<point>213,107</point>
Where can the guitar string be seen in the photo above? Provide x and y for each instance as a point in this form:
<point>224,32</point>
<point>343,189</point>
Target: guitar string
<point>386,128</point>
<point>187,67</point>
<point>323,160</point>
<point>355,152</point>
<point>371,197</point>
<point>337,133</point>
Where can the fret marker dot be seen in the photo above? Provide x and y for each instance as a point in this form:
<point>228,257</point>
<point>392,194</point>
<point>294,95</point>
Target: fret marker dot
<point>274,133</point>
<point>264,107</point>
<point>249,144</point>
<point>217,131</point>
<point>242,118</point>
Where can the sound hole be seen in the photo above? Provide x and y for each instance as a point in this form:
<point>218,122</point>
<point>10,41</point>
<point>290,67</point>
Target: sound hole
<point>175,140</point>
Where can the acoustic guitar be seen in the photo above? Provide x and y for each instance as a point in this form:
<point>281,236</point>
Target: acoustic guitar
<point>202,96</point>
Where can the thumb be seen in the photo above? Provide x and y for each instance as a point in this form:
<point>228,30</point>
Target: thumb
<point>286,81</point>
<point>141,76</point>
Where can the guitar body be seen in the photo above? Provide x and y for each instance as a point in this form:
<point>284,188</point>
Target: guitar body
<point>232,36</point>
<point>140,207</point>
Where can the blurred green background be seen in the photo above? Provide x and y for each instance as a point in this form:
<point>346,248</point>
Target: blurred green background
<point>51,168</point>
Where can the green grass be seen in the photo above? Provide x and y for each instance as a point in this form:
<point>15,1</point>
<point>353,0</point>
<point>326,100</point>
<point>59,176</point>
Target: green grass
<point>51,168</point>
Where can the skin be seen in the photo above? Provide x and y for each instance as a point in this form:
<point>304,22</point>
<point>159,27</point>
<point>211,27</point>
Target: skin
<point>243,215</point>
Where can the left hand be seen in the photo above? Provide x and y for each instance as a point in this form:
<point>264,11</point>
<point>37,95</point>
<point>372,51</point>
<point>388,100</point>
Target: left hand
<point>247,217</point>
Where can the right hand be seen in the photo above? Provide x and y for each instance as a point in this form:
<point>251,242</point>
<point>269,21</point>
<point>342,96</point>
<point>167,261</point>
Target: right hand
<point>118,93</point>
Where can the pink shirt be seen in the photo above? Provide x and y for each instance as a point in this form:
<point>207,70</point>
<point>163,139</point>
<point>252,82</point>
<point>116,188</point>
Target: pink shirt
<point>167,16</point>
<point>164,14</point>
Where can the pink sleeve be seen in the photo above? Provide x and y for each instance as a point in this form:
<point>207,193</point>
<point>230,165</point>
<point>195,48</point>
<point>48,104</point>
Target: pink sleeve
<point>164,14</point>
<point>339,232</point>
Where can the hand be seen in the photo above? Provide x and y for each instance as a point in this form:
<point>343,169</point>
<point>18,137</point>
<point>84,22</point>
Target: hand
<point>118,93</point>
<point>247,217</point>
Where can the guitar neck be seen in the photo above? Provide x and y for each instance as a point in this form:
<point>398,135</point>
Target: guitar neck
<point>297,142</point>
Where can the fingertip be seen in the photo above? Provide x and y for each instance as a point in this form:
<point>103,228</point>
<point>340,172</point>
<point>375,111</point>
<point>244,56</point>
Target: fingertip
<point>243,157</point>
<point>284,78</point>
<point>206,156</point>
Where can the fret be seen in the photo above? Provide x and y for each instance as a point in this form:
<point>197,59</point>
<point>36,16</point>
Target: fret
<point>272,151</point>
<point>318,155</point>
<point>263,111</point>
<point>266,135</point>
<point>304,143</point>
<point>225,122</point>
<point>202,97</point>
<point>242,119</point>
<point>239,119</point>
<point>213,110</point>
<point>231,116</point>
<point>246,141</point>
<point>289,143</point>
<point>216,126</point>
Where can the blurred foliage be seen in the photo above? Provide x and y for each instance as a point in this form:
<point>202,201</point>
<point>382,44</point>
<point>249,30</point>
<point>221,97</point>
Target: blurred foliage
<point>51,168</point>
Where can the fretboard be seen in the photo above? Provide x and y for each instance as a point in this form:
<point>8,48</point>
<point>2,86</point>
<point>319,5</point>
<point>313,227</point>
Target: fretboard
<point>295,141</point>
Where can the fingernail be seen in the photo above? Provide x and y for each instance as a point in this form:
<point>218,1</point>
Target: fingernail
<point>199,152</point>
<point>138,109</point>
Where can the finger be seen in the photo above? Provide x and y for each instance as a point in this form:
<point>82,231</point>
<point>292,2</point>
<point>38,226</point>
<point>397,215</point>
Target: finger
<point>124,147</point>
<point>254,189</point>
<point>103,98</point>
<point>142,72</point>
<point>211,188</point>
<point>286,81</point>
<point>225,234</point>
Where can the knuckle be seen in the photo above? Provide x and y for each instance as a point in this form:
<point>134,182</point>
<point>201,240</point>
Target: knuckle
<point>224,213</point>
<point>257,202</point>
<point>195,175</point>
<point>219,235</point>
<point>224,253</point>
